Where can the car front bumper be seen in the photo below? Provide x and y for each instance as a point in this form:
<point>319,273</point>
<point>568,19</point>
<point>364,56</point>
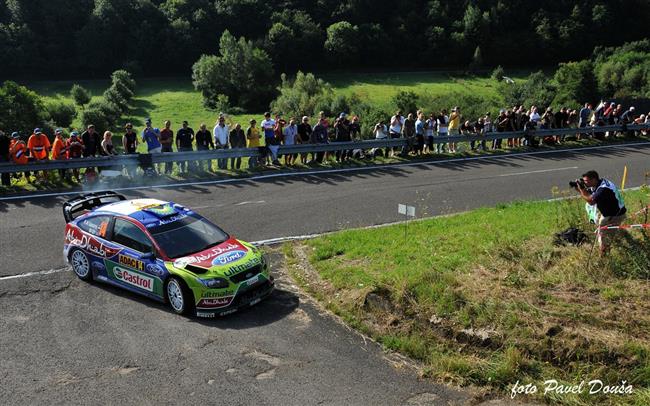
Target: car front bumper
<point>244,299</point>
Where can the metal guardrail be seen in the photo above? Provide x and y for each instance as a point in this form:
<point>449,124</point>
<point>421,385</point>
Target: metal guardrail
<point>134,160</point>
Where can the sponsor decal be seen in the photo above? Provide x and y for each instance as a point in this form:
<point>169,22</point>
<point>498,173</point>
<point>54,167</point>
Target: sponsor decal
<point>89,244</point>
<point>214,303</point>
<point>155,269</point>
<point>218,293</point>
<point>160,210</point>
<point>131,262</point>
<point>205,314</point>
<point>167,220</point>
<point>253,280</point>
<point>134,278</point>
<point>233,270</point>
<point>227,312</point>
<point>229,257</point>
<point>207,255</point>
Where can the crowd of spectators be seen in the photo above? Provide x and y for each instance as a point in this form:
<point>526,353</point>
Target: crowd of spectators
<point>420,129</point>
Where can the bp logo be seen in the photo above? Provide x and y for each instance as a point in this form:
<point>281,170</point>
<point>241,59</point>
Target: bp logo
<point>228,257</point>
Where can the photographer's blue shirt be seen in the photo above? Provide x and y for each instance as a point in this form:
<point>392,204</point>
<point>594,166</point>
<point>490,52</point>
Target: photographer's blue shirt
<point>606,198</point>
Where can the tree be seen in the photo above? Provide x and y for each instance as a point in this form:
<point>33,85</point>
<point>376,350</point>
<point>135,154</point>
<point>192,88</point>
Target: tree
<point>61,113</point>
<point>406,101</point>
<point>302,96</point>
<point>341,42</point>
<point>576,83</point>
<point>21,109</point>
<point>80,95</point>
<point>242,72</point>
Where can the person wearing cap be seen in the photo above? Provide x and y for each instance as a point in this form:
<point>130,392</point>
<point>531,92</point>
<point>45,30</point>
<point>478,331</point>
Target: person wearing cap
<point>75,148</point>
<point>59,150</point>
<point>39,148</point>
<point>204,143</point>
<point>150,136</point>
<point>19,153</point>
<point>184,140</point>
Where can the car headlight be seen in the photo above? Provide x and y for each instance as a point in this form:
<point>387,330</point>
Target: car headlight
<point>216,283</point>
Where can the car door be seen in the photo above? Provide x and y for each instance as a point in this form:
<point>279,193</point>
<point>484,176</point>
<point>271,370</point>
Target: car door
<point>131,268</point>
<point>97,246</point>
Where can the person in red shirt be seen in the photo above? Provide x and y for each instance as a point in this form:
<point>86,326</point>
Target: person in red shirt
<point>59,150</point>
<point>75,149</point>
<point>18,153</point>
<point>39,148</point>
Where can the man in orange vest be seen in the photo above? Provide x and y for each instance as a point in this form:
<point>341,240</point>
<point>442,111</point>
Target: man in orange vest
<point>18,153</point>
<point>59,150</point>
<point>39,148</point>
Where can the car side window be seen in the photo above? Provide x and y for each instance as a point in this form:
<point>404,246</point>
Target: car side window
<point>129,235</point>
<point>97,226</point>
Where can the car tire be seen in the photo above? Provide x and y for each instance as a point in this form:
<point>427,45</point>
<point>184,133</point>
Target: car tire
<point>81,265</point>
<point>179,297</point>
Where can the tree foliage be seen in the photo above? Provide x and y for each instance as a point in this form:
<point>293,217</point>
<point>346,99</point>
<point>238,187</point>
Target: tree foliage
<point>241,71</point>
<point>21,109</point>
<point>61,113</point>
<point>576,83</point>
<point>303,96</point>
<point>80,95</point>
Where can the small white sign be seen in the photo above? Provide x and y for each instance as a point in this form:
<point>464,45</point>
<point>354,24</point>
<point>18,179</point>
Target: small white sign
<point>406,210</point>
<point>410,211</point>
<point>401,208</point>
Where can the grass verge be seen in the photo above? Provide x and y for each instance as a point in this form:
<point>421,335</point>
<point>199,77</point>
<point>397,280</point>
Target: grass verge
<point>485,298</point>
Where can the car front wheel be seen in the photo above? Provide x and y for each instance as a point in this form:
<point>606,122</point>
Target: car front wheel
<point>178,296</point>
<point>81,265</point>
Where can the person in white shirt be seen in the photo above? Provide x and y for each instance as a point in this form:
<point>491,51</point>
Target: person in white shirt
<point>221,132</point>
<point>290,133</point>
<point>396,125</point>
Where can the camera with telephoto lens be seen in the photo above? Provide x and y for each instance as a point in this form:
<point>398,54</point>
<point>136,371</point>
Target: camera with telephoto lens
<point>575,183</point>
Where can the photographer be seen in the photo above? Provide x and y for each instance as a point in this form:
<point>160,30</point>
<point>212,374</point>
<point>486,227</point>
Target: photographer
<point>604,195</point>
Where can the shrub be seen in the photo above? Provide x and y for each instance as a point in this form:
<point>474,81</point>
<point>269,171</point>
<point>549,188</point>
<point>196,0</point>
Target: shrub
<point>576,83</point>
<point>406,101</point>
<point>61,113</point>
<point>306,95</point>
<point>80,95</point>
<point>498,73</point>
<point>21,109</point>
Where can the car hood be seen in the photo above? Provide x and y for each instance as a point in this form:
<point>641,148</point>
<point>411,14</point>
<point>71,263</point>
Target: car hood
<point>219,259</point>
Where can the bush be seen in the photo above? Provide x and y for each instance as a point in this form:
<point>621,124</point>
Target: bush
<point>61,113</point>
<point>406,101</point>
<point>498,73</point>
<point>536,90</point>
<point>123,83</point>
<point>576,83</point>
<point>306,95</point>
<point>80,95</point>
<point>369,116</point>
<point>472,107</point>
<point>103,114</point>
<point>242,72</point>
<point>21,109</point>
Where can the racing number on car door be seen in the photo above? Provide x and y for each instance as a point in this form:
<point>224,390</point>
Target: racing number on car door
<point>134,262</point>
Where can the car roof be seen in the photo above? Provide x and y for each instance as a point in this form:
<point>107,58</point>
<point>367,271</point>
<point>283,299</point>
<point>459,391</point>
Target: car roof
<point>148,212</point>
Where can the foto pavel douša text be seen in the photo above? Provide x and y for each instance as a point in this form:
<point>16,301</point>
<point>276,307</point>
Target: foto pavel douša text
<point>552,386</point>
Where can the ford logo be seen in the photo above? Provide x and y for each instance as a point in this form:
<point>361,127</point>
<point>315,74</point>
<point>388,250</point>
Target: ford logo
<point>228,257</point>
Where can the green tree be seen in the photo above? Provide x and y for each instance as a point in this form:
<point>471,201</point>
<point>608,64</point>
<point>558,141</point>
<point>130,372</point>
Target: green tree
<point>406,101</point>
<point>341,42</point>
<point>61,113</point>
<point>21,109</point>
<point>576,83</point>
<point>80,95</point>
<point>242,72</point>
<point>303,96</point>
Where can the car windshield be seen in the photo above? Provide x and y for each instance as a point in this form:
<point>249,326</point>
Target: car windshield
<point>187,235</point>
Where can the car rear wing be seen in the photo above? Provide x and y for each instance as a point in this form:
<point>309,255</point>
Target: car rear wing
<point>76,206</point>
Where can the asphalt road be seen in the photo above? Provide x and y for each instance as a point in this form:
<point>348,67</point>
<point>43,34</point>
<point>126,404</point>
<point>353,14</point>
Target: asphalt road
<point>66,342</point>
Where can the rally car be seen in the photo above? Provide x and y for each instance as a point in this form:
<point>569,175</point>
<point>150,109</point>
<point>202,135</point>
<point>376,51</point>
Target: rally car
<point>164,251</point>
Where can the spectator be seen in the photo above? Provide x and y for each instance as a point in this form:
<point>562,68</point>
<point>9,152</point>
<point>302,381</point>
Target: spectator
<point>166,141</point>
<point>91,141</point>
<point>324,119</point>
<point>276,141</point>
<point>443,123</point>
<point>150,136</point>
<point>479,129</point>
<point>184,140</point>
<point>59,150</point>
<point>203,143</point>
<point>628,116</point>
<point>419,134</point>
<point>253,137</point>
<point>342,131</point>
<point>236,139</point>
<point>381,133</point>
<point>221,132</point>
<point>304,135</point>
<point>467,129</point>
<point>107,144</point>
<point>290,135</point>
<point>355,129</point>
<point>502,123</point>
<point>75,151</point>
<point>268,124</point>
<point>430,128</point>
<point>454,127</point>
<point>19,153</point>
<point>39,148</point>
<point>396,124</point>
<point>584,115</point>
<point>4,157</point>
<point>511,126</point>
<point>408,132</point>
<point>534,116</point>
<point>319,136</point>
<point>129,140</point>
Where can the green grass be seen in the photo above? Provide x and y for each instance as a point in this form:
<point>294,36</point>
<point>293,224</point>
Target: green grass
<point>493,272</point>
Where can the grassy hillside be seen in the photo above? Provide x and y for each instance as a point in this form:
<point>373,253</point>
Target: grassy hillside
<point>485,298</point>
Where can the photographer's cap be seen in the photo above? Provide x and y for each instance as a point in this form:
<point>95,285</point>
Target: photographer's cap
<point>15,134</point>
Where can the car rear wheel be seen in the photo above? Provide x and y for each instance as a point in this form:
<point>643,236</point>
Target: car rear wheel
<point>179,296</point>
<point>81,265</point>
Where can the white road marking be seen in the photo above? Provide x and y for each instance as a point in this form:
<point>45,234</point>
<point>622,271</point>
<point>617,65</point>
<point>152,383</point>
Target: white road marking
<point>257,202</point>
<point>540,171</point>
<point>327,171</point>
<point>28,274</point>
